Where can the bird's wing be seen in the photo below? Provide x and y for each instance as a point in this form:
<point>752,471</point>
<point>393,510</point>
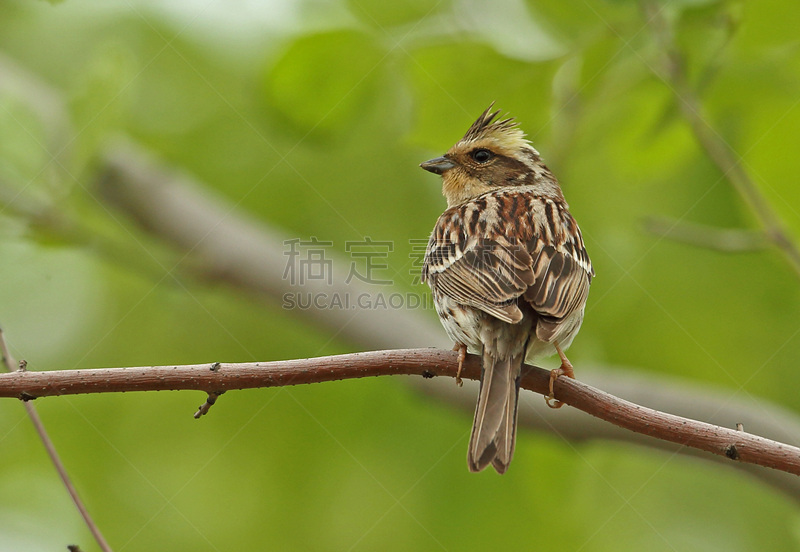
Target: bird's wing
<point>488,274</point>
<point>561,285</point>
<point>550,269</point>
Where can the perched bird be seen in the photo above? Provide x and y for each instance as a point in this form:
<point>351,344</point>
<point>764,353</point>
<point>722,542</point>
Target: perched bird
<point>508,271</point>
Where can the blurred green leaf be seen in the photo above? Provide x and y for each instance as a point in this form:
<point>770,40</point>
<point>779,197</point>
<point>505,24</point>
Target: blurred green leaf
<point>385,15</point>
<point>765,26</point>
<point>23,155</point>
<point>580,23</point>
<point>323,81</point>
<point>102,98</point>
<point>702,33</point>
<point>454,83</point>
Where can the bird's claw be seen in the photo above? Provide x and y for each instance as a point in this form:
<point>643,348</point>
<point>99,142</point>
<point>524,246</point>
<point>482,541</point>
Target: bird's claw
<point>550,399</point>
<point>565,370</point>
<point>462,355</point>
<point>553,405</point>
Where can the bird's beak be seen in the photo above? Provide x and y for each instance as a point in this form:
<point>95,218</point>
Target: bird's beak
<point>438,165</point>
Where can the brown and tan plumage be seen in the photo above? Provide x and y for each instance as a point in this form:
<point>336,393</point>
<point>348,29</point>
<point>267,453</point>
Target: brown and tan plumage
<point>508,271</point>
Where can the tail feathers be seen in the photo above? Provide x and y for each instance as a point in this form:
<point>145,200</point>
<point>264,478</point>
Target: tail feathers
<point>495,426</point>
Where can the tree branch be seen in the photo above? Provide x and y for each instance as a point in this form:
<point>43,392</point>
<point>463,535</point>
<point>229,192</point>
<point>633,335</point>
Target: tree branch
<point>228,245</point>
<point>218,377</point>
<point>667,394</point>
<point>224,243</point>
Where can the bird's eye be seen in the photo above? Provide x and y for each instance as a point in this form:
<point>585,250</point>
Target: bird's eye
<point>481,155</point>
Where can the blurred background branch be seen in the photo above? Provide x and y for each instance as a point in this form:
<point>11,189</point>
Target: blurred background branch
<point>220,243</point>
<point>715,146</point>
<point>726,240</point>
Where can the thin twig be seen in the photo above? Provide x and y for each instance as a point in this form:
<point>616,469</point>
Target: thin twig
<point>206,406</point>
<point>718,150</point>
<point>733,444</point>
<point>9,364</point>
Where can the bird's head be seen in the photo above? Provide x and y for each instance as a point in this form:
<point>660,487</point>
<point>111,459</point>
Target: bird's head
<point>491,155</point>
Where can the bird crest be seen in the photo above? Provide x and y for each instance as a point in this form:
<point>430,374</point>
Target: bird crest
<point>505,132</point>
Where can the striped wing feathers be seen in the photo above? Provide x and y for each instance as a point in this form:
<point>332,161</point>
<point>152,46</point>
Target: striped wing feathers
<point>525,247</point>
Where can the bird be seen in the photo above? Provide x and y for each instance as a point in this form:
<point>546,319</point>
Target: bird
<point>508,271</point>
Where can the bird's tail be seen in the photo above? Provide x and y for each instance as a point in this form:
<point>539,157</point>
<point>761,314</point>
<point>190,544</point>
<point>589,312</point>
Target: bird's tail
<point>495,426</point>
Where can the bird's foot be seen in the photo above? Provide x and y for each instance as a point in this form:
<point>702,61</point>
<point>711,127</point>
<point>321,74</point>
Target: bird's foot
<point>564,370</point>
<point>462,356</point>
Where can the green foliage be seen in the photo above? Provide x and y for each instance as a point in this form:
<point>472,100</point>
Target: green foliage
<point>318,131</point>
<point>321,81</point>
<point>386,15</point>
<point>446,76</point>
